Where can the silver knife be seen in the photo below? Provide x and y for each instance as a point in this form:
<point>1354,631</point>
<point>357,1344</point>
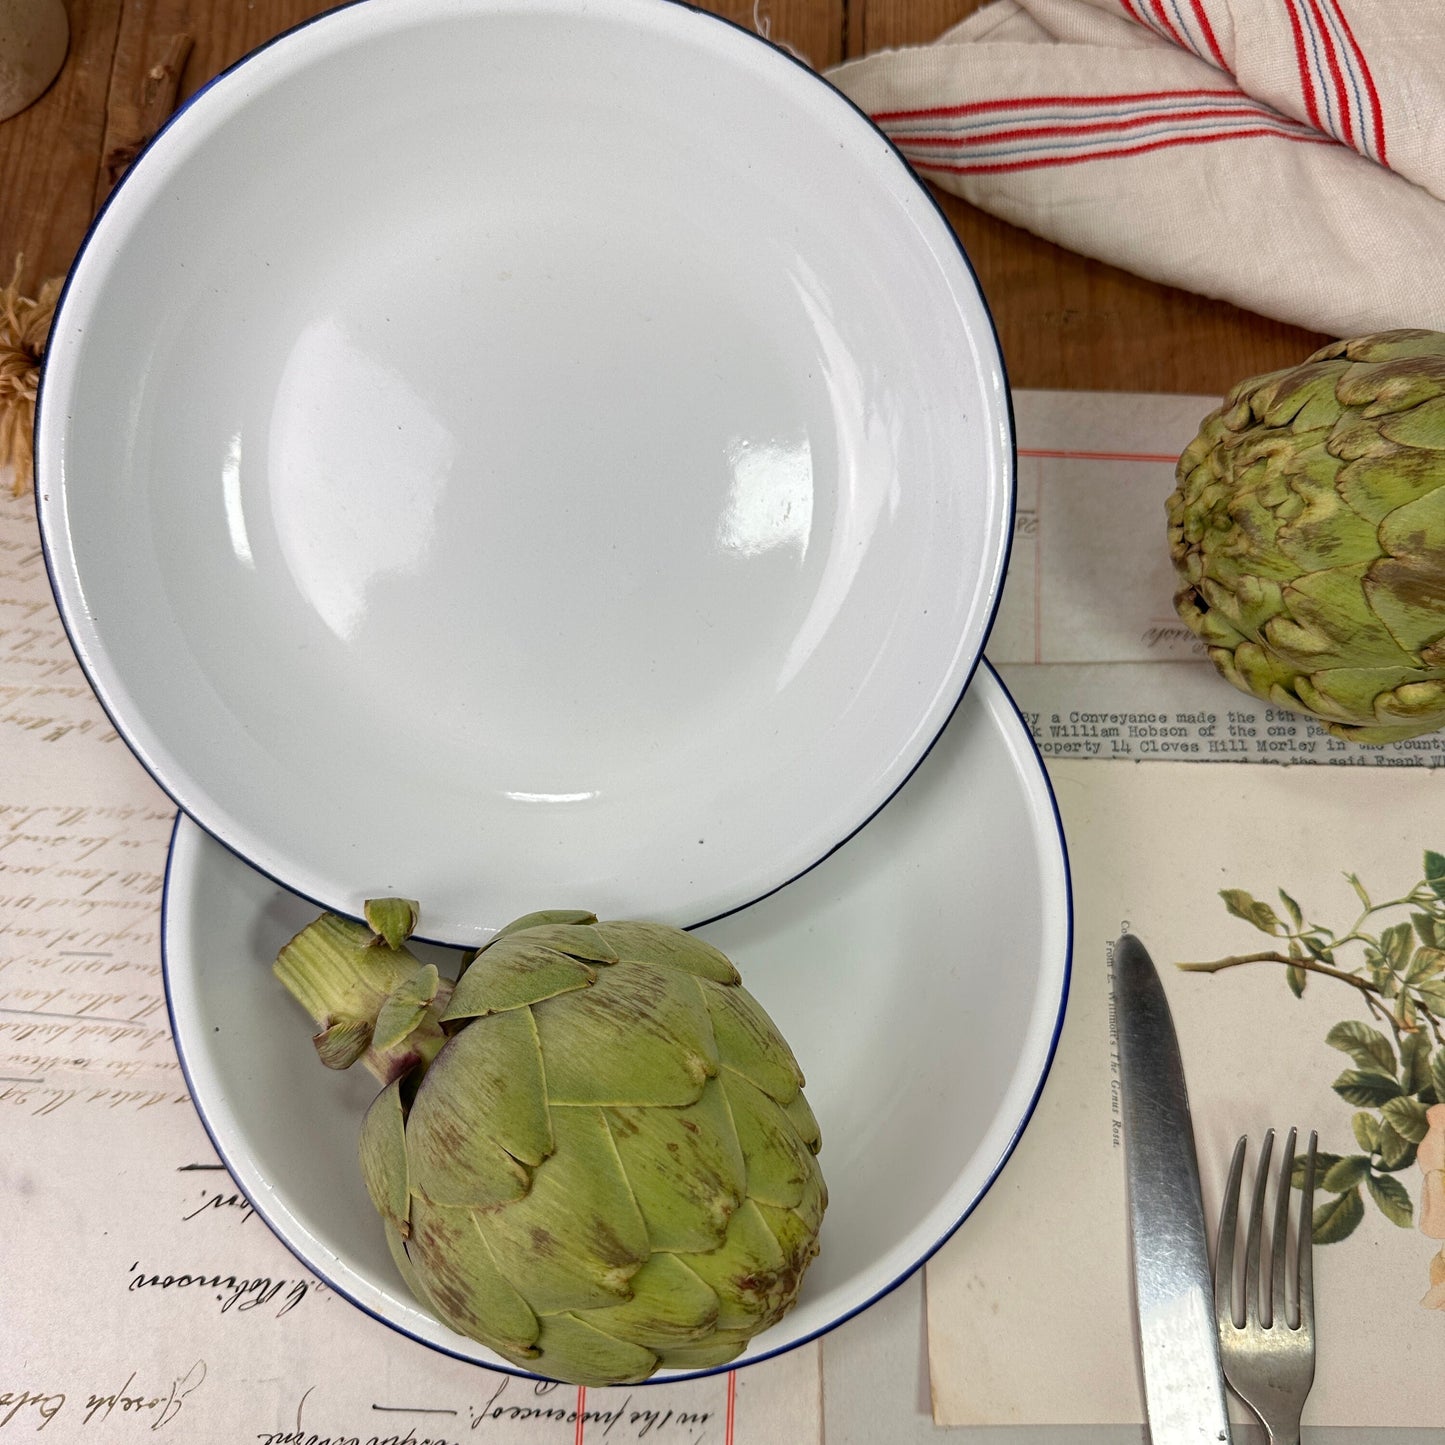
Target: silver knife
<point>1174,1291</point>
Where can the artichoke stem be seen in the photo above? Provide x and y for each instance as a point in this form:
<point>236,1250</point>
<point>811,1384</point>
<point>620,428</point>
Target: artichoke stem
<point>333,969</point>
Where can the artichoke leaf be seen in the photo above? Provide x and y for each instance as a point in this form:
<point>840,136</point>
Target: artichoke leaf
<point>805,1122</point>
<point>796,1238</point>
<point>1301,397</point>
<point>460,1278</point>
<point>670,1306</point>
<point>1326,621</point>
<point>1374,486</point>
<point>534,920</point>
<point>571,1349</point>
<point>685,1167</point>
<point>1328,533</point>
<point>404,1267</point>
<point>639,1035</point>
<point>1400,344</point>
<point>405,1007</point>
<point>640,942</point>
<point>1406,588</point>
<point>383,1157</point>
<point>342,1042</point>
<point>1373,390</point>
<point>513,974</point>
<point>1422,427</point>
<point>577,1238</point>
<point>750,1041</point>
<point>577,940</point>
<point>392,920</point>
<point>480,1115</point>
<point>717,1349</point>
<point>779,1163</point>
<point>753,1279</point>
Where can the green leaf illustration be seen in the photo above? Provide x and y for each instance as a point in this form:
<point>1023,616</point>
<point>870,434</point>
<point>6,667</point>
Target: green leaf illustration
<point>1248,907</point>
<point>1336,1218</point>
<point>1427,962</point>
<point>1360,891</point>
<point>1431,993</point>
<point>1407,1117</point>
<point>1396,1151</point>
<point>1415,1062</point>
<point>1428,929</point>
<point>1292,908</point>
<point>1435,872</point>
<point>1346,1174</point>
<point>1323,1164</point>
<point>1393,1199</point>
<point>1368,1047</point>
<point>1296,978</point>
<point>1365,1088</point>
<point>1395,944</point>
<point>1437,1074</point>
<point>1319,948</point>
<point>1367,1131</point>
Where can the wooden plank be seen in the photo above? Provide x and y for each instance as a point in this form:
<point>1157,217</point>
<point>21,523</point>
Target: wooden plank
<point>812,29</point>
<point>1066,321</point>
<point>1070,322</point>
<point>886,24</point>
<point>50,152</point>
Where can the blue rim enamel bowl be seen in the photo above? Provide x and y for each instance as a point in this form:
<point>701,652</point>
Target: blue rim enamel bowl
<point>496,448</point>
<point>920,975</point>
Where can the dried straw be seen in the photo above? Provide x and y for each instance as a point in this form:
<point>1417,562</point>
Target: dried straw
<point>24,329</point>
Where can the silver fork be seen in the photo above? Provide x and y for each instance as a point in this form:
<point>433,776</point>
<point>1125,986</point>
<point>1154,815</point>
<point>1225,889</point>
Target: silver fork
<point>1269,1356</point>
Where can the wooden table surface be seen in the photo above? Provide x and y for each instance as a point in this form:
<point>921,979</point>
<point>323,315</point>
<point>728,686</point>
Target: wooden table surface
<point>1065,321</point>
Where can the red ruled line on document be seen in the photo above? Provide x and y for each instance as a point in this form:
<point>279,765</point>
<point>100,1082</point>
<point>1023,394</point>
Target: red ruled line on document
<point>732,1406</point>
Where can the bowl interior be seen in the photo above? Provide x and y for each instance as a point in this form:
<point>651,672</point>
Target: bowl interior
<point>919,974</point>
<point>492,445</point>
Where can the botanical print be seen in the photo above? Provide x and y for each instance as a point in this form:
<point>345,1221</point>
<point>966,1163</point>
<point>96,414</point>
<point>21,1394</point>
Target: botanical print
<point>1392,958</point>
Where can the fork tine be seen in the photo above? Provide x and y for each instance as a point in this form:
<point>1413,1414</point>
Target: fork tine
<point>1224,1243</point>
<point>1306,1290</point>
<point>1278,1264</point>
<point>1256,1229</point>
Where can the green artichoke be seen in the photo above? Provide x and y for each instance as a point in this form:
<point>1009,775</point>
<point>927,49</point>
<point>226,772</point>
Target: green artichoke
<point>592,1153</point>
<point>1308,531</point>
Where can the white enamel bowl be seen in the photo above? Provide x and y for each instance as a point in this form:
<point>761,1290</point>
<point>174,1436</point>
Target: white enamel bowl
<point>492,449</point>
<point>920,974</point>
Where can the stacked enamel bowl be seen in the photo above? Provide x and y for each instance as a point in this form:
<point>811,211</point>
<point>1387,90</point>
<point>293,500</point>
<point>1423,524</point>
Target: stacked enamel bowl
<point>527,455</point>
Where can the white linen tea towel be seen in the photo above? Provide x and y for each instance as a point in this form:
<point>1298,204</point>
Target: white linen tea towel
<point>1285,155</point>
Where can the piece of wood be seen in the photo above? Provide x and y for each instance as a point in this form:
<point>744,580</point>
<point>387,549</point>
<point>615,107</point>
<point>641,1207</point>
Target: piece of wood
<point>50,152</point>
<point>1065,320</point>
<point>130,128</point>
<point>811,29</point>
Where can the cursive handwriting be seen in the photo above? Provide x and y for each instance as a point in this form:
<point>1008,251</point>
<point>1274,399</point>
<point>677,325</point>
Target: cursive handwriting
<point>165,1407</point>
<point>219,1199</point>
<point>13,1402</point>
<point>162,1405</point>
<point>232,1292</point>
<point>640,1423</point>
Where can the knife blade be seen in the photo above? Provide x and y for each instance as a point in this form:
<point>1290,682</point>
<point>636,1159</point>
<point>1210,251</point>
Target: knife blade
<point>1173,1288</point>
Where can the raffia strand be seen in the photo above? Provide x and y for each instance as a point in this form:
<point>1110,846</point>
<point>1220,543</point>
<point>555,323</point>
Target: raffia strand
<point>24,330</point>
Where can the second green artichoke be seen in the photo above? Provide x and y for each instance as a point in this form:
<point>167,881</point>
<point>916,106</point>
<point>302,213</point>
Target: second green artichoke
<point>1308,531</point>
<point>592,1153</point>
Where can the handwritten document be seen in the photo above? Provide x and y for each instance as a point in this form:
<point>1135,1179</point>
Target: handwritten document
<point>140,1297</point>
<point>1087,639</point>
